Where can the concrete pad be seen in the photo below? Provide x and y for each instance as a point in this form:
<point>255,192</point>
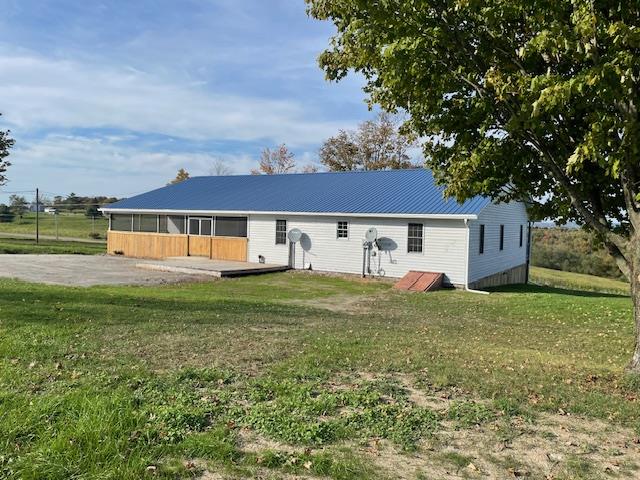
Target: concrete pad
<point>213,268</point>
<point>85,270</point>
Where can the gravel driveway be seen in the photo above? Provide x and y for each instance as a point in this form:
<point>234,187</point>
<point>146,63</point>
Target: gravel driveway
<point>83,270</point>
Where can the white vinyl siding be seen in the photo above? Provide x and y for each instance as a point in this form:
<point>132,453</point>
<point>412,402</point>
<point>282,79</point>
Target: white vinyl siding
<point>320,249</point>
<point>494,260</point>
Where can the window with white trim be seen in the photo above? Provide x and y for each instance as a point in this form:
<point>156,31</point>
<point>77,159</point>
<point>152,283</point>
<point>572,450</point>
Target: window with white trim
<point>415,238</point>
<point>342,230</point>
<point>281,232</point>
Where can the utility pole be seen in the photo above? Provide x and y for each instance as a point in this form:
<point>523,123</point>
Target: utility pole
<point>37,215</point>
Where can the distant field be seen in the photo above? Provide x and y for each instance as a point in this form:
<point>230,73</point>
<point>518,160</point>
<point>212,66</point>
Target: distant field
<point>69,225</point>
<point>26,246</point>
<point>299,375</point>
<point>577,281</point>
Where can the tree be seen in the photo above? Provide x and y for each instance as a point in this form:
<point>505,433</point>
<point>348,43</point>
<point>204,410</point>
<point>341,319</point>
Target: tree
<point>181,176</point>
<point>18,204</point>
<point>92,211</point>
<point>219,168</point>
<point>375,145</point>
<point>516,100</point>
<point>340,152</point>
<point>6,142</point>
<point>309,168</point>
<point>6,215</point>
<point>273,162</point>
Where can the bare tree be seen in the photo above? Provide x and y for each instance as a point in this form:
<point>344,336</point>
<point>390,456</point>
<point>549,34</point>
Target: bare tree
<point>309,168</point>
<point>375,145</point>
<point>220,168</point>
<point>273,162</point>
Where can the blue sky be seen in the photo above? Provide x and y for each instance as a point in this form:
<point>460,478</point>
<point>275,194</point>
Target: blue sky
<point>112,97</point>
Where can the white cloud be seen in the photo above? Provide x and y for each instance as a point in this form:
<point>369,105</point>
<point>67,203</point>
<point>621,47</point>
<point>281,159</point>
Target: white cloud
<point>41,93</point>
<point>105,166</point>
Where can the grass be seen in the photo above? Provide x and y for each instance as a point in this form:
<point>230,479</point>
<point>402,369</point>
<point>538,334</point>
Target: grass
<point>73,225</point>
<point>264,374</point>
<point>27,246</point>
<point>578,281</point>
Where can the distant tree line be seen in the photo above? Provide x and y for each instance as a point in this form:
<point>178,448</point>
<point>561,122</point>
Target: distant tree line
<point>72,203</point>
<point>572,250</point>
<point>77,203</point>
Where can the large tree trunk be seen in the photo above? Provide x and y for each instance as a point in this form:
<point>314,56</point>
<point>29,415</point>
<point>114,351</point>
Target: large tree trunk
<point>634,366</point>
<point>634,277</point>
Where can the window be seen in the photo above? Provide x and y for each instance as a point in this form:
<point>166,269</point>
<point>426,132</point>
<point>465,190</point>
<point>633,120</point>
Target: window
<point>120,223</point>
<point>501,237</point>
<point>176,224</point>
<point>343,230</point>
<point>481,239</point>
<point>520,236</point>
<point>231,227</point>
<point>200,226</point>
<point>414,241</point>
<point>281,232</point>
<point>148,223</point>
<point>162,224</point>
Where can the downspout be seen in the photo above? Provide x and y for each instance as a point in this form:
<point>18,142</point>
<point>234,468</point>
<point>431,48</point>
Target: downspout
<point>466,265</point>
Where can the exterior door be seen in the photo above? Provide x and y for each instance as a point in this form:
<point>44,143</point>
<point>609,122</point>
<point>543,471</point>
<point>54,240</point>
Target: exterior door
<point>200,230</point>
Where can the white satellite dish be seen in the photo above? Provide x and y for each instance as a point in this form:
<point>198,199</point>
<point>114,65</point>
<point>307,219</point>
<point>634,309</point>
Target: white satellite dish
<point>371,235</point>
<point>294,235</point>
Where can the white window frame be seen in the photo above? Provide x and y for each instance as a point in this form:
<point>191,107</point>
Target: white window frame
<point>200,220</point>
<point>286,226</point>
<point>346,229</point>
<point>421,252</point>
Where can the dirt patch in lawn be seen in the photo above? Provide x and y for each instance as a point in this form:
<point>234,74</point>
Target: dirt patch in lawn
<point>548,446</point>
<point>348,303</point>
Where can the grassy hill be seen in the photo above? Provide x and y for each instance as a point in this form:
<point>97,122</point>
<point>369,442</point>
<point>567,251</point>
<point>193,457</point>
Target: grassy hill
<point>577,281</point>
<point>316,376</point>
<point>572,250</point>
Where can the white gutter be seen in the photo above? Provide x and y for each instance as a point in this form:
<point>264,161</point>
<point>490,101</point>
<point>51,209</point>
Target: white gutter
<point>435,216</point>
<point>466,265</point>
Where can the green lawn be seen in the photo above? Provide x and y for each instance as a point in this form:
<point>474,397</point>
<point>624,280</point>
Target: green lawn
<point>22,246</point>
<point>69,225</point>
<point>579,281</point>
<point>320,376</point>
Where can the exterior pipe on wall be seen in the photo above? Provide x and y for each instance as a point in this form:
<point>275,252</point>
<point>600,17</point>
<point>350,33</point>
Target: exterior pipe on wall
<point>466,263</point>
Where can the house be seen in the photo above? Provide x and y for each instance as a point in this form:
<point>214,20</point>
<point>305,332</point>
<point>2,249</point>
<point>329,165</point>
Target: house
<point>249,218</point>
<point>51,210</point>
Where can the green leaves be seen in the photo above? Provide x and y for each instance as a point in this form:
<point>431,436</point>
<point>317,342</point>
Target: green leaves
<point>557,81</point>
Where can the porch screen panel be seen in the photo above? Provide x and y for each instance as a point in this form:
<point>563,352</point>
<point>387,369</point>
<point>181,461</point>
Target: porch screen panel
<point>205,227</point>
<point>175,224</point>
<point>148,223</point>
<point>162,224</point>
<point>120,222</point>
<point>231,227</point>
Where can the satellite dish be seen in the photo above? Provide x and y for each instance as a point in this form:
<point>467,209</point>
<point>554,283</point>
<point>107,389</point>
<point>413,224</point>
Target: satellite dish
<point>371,235</point>
<point>294,235</point>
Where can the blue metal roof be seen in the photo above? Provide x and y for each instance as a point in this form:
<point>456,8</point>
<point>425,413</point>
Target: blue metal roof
<point>372,192</point>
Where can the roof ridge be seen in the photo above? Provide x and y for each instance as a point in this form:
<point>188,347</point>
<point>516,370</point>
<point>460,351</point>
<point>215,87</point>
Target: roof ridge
<point>332,172</point>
